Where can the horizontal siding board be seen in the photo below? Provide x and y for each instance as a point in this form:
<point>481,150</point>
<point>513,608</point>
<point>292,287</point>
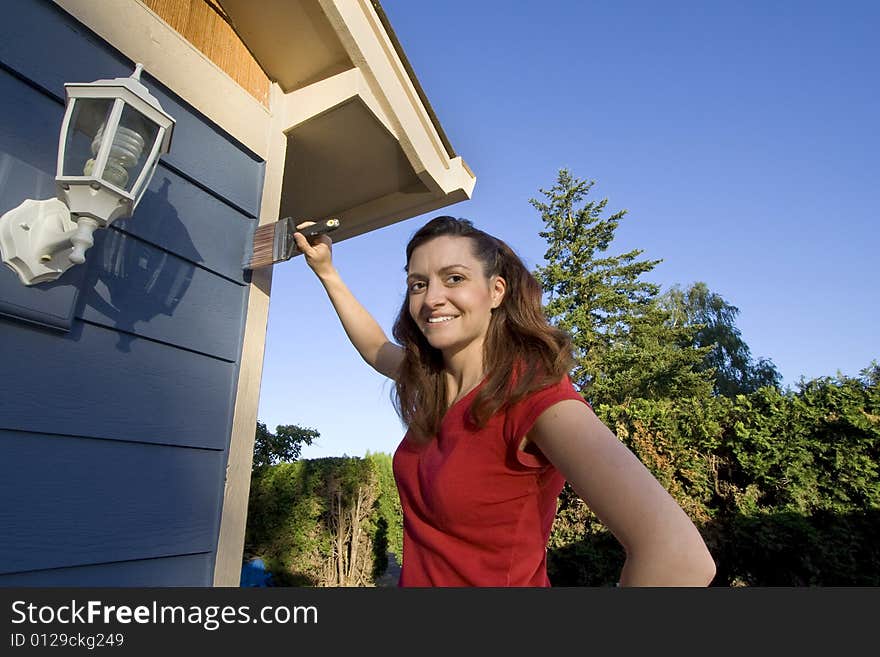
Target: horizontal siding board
<point>28,147</point>
<point>137,288</point>
<point>182,218</point>
<point>97,382</point>
<point>188,570</point>
<point>75,50</point>
<point>47,304</point>
<point>199,149</point>
<point>72,501</point>
<point>209,156</point>
<point>30,125</point>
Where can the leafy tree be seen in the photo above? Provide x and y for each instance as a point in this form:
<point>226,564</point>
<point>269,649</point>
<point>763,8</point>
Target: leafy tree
<point>316,522</point>
<point>352,491</point>
<point>624,345</point>
<point>283,446</point>
<point>870,376</point>
<point>390,513</point>
<point>729,357</point>
<point>784,486</point>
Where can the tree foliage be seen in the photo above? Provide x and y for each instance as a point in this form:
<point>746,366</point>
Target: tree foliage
<point>352,492</point>
<point>784,486</point>
<point>624,344</point>
<point>390,520</point>
<point>313,522</point>
<point>324,522</point>
<point>283,446</point>
<point>729,357</point>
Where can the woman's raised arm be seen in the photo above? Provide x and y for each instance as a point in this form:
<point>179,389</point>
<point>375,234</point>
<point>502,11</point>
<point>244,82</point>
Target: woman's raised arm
<point>360,326</point>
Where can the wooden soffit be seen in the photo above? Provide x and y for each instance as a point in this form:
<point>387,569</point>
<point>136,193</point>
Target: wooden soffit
<point>363,143</point>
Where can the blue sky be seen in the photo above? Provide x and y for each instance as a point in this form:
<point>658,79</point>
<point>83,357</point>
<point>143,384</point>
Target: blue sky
<point>741,137</point>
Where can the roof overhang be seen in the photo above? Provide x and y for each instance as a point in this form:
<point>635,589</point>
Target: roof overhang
<point>363,143</point>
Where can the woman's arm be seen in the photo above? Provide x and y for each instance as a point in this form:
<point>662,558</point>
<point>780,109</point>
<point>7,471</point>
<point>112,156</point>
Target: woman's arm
<point>361,328</point>
<point>663,547</point>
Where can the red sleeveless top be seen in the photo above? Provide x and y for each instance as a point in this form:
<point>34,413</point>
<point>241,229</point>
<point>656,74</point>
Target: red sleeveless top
<point>477,510</point>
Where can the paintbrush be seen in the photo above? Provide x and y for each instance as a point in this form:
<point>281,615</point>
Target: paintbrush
<point>274,242</point>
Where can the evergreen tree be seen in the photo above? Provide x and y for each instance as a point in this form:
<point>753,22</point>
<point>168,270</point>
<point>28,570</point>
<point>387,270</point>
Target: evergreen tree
<point>624,344</point>
<point>735,371</point>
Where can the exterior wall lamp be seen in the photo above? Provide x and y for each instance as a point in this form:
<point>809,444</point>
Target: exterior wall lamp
<point>112,135</point>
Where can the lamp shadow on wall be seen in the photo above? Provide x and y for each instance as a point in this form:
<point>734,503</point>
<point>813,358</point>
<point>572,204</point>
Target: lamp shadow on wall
<point>134,277</point>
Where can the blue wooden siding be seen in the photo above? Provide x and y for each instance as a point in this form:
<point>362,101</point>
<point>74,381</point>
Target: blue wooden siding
<point>189,570</point>
<point>118,379</point>
<point>101,383</point>
<point>108,500</point>
<point>27,170</point>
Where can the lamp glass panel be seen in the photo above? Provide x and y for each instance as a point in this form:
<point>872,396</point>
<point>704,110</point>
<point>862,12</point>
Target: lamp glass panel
<point>89,114</point>
<point>132,145</point>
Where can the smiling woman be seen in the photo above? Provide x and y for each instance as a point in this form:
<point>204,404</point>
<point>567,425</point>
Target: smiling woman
<point>495,426</point>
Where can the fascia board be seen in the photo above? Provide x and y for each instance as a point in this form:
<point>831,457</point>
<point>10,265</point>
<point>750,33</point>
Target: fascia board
<point>368,45</point>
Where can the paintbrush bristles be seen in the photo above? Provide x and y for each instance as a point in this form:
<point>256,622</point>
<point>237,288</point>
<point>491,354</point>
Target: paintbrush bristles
<point>264,247</point>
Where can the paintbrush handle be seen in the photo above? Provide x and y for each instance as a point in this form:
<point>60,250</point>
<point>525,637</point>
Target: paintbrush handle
<point>319,228</point>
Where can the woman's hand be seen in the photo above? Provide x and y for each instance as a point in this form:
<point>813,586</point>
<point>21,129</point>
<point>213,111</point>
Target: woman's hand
<point>318,251</point>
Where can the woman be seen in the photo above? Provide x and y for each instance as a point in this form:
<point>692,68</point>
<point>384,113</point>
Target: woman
<point>495,426</point>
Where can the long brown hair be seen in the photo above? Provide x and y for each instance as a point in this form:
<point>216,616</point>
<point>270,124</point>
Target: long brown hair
<point>519,340</point>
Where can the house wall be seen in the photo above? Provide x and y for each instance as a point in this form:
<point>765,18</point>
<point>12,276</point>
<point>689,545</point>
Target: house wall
<point>119,379</point>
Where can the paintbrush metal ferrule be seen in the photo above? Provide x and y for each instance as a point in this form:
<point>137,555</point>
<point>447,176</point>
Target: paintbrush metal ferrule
<point>283,246</point>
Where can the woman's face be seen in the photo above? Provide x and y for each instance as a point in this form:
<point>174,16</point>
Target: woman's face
<point>450,297</point>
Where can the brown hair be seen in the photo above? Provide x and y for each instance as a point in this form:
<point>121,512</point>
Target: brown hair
<point>519,340</point>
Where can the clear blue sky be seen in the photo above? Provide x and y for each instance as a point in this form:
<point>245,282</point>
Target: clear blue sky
<point>742,138</point>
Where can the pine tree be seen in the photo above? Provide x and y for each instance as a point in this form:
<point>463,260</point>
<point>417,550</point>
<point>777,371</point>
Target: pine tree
<point>625,346</point>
